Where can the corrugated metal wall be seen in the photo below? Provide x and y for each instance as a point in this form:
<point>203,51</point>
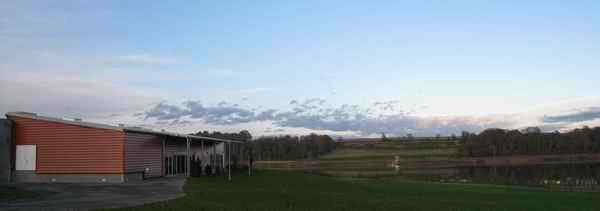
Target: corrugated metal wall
<point>175,146</point>
<point>143,151</point>
<point>64,148</point>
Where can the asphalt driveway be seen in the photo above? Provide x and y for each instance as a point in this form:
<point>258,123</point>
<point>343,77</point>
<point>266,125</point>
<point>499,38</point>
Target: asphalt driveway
<point>95,196</point>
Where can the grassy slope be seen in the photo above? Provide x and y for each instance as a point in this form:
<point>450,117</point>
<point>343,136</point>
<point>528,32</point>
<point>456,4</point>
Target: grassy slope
<point>387,150</point>
<point>374,159</point>
<point>358,154</point>
<point>296,191</point>
<point>371,159</point>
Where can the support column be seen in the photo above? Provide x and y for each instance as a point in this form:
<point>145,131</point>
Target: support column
<point>214,157</point>
<point>229,160</point>
<point>188,158</point>
<point>163,161</point>
<point>223,155</point>
<point>202,157</point>
<point>249,160</point>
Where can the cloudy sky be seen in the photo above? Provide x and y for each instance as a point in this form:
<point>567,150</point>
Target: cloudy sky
<point>352,68</point>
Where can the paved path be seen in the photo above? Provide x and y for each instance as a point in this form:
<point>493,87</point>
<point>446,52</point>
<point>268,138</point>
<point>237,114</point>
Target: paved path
<point>95,196</point>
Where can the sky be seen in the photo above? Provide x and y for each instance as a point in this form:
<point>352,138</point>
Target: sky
<point>347,68</point>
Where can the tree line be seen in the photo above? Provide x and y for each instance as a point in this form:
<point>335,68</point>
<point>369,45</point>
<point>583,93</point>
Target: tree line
<point>411,138</point>
<point>499,142</point>
<point>284,147</point>
<point>243,135</point>
<point>289,147</point>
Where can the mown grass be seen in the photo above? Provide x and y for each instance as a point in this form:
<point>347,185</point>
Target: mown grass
<point>271,190</point>
<point>399,145</point>
<point>353,153</point>
<point>372,160</point>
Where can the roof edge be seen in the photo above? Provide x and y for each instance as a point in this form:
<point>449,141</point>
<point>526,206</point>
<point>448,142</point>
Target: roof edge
<point>35,116</point>
<point>63,121</point>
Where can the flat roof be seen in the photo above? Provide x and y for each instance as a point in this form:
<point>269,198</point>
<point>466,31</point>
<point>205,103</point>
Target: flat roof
<point>80,123</point>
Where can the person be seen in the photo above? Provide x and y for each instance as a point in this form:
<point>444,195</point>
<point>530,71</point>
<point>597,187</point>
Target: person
<point>208,170</point>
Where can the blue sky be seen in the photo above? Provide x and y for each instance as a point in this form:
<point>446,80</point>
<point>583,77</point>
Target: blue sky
<point>110,60</point>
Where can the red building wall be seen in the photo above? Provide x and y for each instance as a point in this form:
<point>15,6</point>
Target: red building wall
<point>143,151</point>
<point>65,148</point>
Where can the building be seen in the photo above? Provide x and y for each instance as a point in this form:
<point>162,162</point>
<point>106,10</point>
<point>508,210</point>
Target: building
<point>5,150</point>
<point>47,149</point>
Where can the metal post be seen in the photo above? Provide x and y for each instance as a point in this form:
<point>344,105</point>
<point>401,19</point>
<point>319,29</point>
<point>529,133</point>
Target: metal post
<point>174,167</point>
<point>187,158</point>
<point>249,166</point>
<point>229,160</point>
<point>202,157</point>
<point>162,156</point>
<point>214,158</point>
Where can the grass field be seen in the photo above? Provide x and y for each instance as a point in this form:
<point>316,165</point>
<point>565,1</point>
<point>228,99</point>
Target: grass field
<point>388,150</point>
<point>272,190</point>
<point>370,159</point>
<point>387,154</point>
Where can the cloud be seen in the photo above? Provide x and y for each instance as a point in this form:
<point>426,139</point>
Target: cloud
<point>587,114</point>
<point>164,111</point>
<point>315,115</point>
<point>267,115</point>
<point>142,59</point>
<point>221,114</point>
<point>387,105</point>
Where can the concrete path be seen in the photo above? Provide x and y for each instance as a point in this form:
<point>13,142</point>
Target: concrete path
<point>95,196</point>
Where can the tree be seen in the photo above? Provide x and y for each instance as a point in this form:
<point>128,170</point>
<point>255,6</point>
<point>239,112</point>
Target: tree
<point>245,135</point>
<point>383,137</point>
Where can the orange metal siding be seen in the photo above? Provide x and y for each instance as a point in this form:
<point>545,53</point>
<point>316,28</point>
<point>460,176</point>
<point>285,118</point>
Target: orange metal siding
<point>64,148</point>
<point>143,151</point>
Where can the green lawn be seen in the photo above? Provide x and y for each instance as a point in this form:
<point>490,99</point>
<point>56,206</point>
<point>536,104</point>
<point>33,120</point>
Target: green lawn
<point>359,154</point>
<point>297,191</point>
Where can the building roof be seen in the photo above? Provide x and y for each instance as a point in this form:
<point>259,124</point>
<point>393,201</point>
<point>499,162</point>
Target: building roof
<point>78,122</point>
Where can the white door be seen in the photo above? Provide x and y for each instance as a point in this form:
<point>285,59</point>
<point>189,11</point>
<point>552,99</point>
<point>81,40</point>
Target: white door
<point>25,158</point>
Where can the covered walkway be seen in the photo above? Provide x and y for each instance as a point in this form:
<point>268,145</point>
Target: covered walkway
<point>191,155</point>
